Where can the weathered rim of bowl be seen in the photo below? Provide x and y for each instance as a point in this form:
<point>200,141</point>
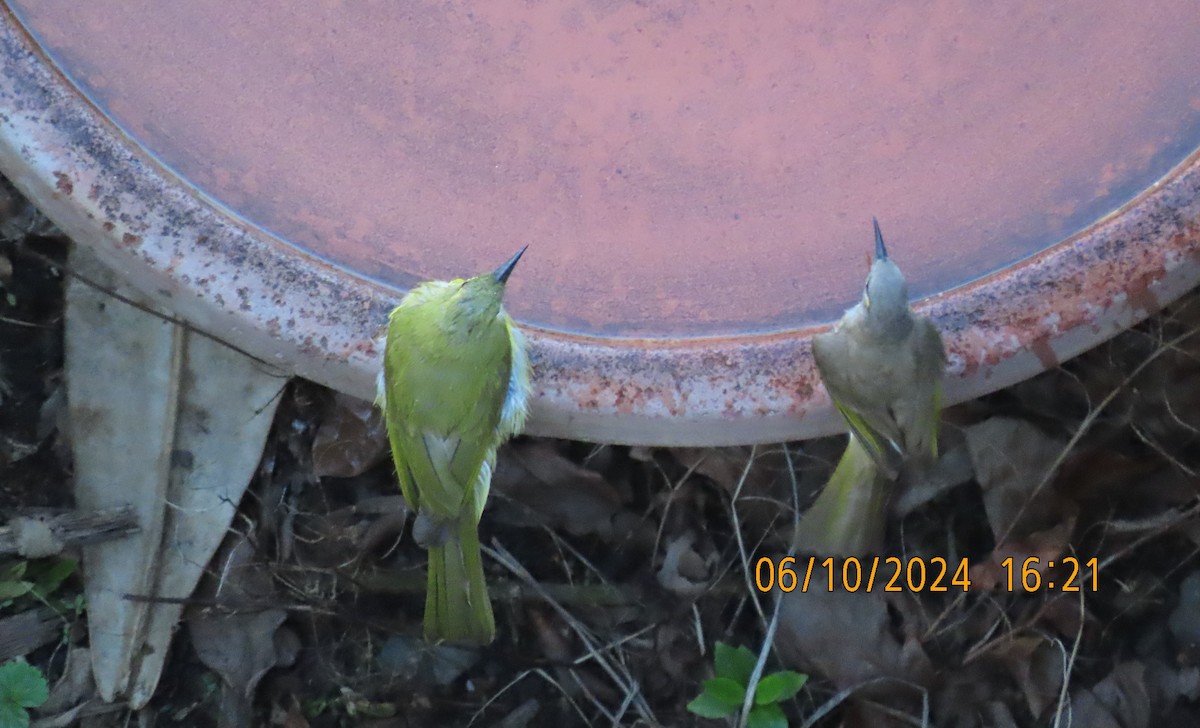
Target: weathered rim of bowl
<point>308,317</point>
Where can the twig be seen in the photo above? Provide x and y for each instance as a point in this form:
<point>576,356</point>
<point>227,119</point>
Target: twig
<point>56,530</point>
<point>625,682</point>
<point>1089,420</point>
<point>1068,667</point>
<point>737,533</point>
<point>759,665</point>
<point>383,581</point>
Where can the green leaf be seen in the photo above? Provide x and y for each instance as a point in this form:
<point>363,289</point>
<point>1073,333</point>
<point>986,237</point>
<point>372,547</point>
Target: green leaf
<point>14,589</point>
<point>13,716</point>
<point>779,686</point>
<point>707,706</point>
<point>50,574</point>
<point>13,570</point>
<point>735,663</point>
<point>314,708</point>
<point>766,716</point>
<point>727,691</point>
<point>22,684</point>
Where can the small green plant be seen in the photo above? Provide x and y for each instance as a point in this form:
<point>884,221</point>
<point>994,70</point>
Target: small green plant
<point>22,686</point>
<point>724,694</point>
<point>349,703</point>
<point>37,580</point>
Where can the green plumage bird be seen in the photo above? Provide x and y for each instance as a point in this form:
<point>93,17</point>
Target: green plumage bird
<point>882,366</point>
<point>454,386</point>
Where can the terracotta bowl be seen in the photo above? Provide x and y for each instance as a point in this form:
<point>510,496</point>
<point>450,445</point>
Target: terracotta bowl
<point>695,180</point>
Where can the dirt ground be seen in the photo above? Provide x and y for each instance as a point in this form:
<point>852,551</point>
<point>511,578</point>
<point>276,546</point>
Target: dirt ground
<point>615,570</point>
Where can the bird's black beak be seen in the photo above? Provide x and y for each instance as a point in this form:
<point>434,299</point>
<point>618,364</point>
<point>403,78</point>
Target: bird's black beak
<point>880,251</point>
<point>503,272</point>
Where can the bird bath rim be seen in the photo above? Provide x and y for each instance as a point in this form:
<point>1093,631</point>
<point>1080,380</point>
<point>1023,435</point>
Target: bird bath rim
<point>303,315</point>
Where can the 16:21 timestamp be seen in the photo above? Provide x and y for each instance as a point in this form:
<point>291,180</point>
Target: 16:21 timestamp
<point>1031,576</point>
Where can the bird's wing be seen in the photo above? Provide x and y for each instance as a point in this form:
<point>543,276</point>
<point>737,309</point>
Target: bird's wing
<point>829,349</point>
<point>441,444</point>
<point>879,447</point>
<point>441,473</point>
<point>926,420</point>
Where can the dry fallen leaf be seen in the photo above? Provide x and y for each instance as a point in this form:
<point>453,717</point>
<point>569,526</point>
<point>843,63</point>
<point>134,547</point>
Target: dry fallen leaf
<point>1184,621</point>
<point>683,571</point>
<point>1042,546</point>
<point>352,438</point>
<point>548,489</point>
<point>999,716</point>
<point>1120,700</point>
<point>723,465</point>
<point>848,637</point>
<point>1011,459</point>
<point>75,685</point>
<point>337,538</point>
<point>1036,665</point>
<point>766,491</point>
<point>241,640</point>
<point>952,469</point>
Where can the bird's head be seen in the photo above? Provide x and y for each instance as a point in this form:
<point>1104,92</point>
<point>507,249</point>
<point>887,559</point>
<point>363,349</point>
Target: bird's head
<point>481,296</point>
<point>885,295</point>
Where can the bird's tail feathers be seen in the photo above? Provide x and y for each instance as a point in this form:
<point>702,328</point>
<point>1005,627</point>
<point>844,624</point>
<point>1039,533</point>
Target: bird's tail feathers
<point>849,516</point>
<point>457,607</point>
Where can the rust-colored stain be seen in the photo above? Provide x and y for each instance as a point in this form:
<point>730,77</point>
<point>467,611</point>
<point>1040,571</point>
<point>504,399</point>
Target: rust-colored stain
<point>695,180</point>
<point>1044,352</point>
<point>63,183</point>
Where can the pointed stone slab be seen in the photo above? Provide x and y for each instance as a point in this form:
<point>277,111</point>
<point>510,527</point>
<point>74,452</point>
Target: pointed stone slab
<point>171,423</point>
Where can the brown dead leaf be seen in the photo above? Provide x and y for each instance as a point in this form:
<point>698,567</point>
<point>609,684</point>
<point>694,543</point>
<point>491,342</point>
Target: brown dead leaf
<point>557,646</point>
<point>952,469</point>
<point>676,656</point>
<point>683,572</point>
<point>1042,546</point>
<point>552,635</point>
<point>722,465</point>
<point>290,715</point>
<point>550,490</point>
<point>1063,616</point>
<point>766,497</point>
<point>241,640</point>
<point>1011,459</point>
<point>1184,621</point>
<point>999,716</point>
<point>1036,666</point>
<point>75,685</point>
<point>352,438</point>
<point>336,538</point>
<point>1120,700</point>
<point>848,638</point>
<point>1106,473</point>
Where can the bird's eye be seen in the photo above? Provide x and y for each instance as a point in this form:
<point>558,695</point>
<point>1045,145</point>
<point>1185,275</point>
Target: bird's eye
<point>867,296</point>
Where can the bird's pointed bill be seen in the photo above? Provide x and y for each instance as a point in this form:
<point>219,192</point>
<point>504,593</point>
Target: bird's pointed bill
<point>503,272</point>
<point>880,250</point>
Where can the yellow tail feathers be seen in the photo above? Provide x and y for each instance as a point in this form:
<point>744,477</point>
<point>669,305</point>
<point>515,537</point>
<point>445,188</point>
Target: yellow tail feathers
<point>849,517</point>
<point>457,607</point>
